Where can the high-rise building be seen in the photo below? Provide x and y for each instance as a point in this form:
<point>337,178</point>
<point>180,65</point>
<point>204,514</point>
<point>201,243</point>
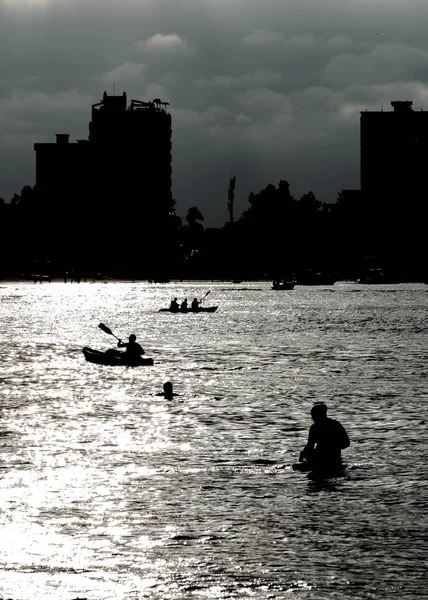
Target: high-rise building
<point>394,153</point>
<point>394,187</point>
<point>122,171</point>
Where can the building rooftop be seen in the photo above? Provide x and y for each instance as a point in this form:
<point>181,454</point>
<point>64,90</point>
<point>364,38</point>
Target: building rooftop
<point>119,104</point>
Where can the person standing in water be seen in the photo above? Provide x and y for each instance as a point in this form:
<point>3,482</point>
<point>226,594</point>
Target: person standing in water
<point>327,438</point>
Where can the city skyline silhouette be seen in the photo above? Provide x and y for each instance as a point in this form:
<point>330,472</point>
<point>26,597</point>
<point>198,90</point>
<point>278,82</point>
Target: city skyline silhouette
<point>278,98</point>
<point>122,175</point>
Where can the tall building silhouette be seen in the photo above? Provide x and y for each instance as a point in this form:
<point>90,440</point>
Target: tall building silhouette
<point>394,153</point>
<point>119,179</point>
<point>133,145</point>
<point>125,164</point>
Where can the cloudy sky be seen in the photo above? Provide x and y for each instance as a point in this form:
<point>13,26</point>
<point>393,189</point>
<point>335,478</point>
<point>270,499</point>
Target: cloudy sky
<point>265,89</point>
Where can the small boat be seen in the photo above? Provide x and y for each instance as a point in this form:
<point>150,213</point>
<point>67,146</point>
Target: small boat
<point>283,285</point>
<point>201,309</point>
<point>114,358</point>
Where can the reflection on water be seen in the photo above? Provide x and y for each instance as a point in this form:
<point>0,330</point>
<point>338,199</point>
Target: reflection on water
<point>109,491</point>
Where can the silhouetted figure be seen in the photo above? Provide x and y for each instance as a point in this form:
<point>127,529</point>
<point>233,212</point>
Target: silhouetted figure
<point>183,305</point>
<point>195,304</point>
<point>174,305</point>
<point>167,391</point>
<point>327,438</point>
<point>133,348</point>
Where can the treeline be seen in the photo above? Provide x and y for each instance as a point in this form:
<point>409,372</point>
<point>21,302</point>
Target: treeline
<point>277,236</point>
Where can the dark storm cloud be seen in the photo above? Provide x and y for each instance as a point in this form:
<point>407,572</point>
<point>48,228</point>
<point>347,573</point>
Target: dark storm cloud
<point>268,90</point>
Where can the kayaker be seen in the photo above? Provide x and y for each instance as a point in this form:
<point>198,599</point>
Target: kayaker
<point>167,391</point>
<point>195,304</point>
<point>327,438</point>
<point>183,305</point>
<point>174,305</point>
<point>133,348</point>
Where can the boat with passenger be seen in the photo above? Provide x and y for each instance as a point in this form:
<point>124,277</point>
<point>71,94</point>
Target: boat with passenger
<point>113,358</point>
<point>200,309</point>
<point>283,284</point>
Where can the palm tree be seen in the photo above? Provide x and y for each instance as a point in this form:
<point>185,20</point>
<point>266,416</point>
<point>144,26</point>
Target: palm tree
<point>193,215</point>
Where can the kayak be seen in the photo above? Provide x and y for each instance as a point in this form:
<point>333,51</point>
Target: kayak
<point>201,309</point>
<point>114,358</point>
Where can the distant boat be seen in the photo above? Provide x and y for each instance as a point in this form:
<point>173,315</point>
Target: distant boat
<point>283,284</point>
<point>201,309</point>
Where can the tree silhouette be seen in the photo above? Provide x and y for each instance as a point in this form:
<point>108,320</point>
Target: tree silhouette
<point>26,195</point>
<point>308,203</point>
<point>192,237</point>
<point>193,215</point>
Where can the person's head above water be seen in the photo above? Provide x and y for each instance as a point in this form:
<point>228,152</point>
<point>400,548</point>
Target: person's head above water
<point>319,411</point>
<point>132,337</point>
<point>167,388</point>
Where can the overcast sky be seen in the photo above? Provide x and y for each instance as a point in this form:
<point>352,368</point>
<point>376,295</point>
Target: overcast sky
<point>265,89</point>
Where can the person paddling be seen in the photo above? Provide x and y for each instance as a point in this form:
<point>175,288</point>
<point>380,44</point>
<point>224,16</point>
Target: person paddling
<point>174,305</point>
<point>133,348</point>
<point>327,438</point>
<point>183,305</point>
<point>195,304</point>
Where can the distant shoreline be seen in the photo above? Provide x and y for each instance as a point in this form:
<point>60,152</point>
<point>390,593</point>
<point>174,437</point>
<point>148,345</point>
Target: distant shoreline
<point>206,282</point>
<point>104,281</point>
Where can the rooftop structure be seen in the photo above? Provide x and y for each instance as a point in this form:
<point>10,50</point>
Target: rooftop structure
<point>123,166</point>
<point>394,151</point>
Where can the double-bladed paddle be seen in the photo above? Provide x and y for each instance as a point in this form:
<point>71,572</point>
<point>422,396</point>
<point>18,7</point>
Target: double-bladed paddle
<point>203,298</point>
<point>107,330</point>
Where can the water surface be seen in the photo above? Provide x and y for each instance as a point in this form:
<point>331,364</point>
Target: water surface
<point>108,491</point>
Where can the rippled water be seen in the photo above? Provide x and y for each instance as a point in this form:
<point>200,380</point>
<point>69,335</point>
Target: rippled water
<point>108,491</point>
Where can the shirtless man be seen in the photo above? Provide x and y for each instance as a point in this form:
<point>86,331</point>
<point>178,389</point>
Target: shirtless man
<point>327,438</point>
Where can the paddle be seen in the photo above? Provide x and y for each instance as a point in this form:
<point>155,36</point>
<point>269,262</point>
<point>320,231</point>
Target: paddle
<point>107,330</point>
<point>203,298</point>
